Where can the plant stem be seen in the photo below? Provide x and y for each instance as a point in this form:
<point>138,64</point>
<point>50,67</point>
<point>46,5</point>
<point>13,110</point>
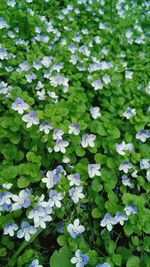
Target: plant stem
<point>13,259</point>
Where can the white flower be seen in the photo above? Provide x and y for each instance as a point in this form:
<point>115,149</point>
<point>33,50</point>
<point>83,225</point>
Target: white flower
<point>128,74</point>
<point>41,94</point>
<point>88,140</point>
<point>129,113</point>
<point>121,148</point>
<point>125,166</point>
<point>38,214</point>
<point>74,129</point>
<point>57,134</point>
<point>26,230</point>
<point>61,145</point>
<point>75,229</point>
<point>108,221</point>
<point>130,209</point>
<point>106,79</point>
<point>120,217</point>
<point>74,179</point>
<point>93,170</point>
<point>59,80</point>
<point>10,228</point>
<point>31,119</point>
<point>7,185</point>
<point>80,259</point>
<point>97,84</point>
<point>50,180</point>
<point>95,112</point>
<point>76,193</point>
<point>55,198</point>
<point>148,175</point>
<point>19,105</point>
<point>45,127</point>
<point>35,263</point>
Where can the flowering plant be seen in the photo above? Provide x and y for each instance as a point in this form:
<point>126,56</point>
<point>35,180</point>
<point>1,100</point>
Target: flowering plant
<point>74,133</point>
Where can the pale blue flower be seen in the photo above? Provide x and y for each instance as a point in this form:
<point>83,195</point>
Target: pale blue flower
<point>144,164</point>
<point>120,217</point>
<point>74,129</point>
<point>148,175</point>
<point>88,140</point>
<point>128,74</point>
<point>51,179</point>
<point>125,166</point>
<point>46,61</point>
<point>5,201</point>
<point>130,209</point>
<point>61,145</point>
<point>75,229</point>
<point>76,193</point>
<point>126,181</point>
<point>106,79</point>
<point>66,160</point>
<point>7,185</point>
<point>26,231</point>
<point>9,69</point>
<point>19,105</point>
<point>35,263</point>
<point>31,119</point>
<point>22,200</point>
<point>105,264</point>
<point>74,59</point>
<point>55,198</point>
<point>74,179</point>
<point>40,216</point>
<point>24,66</point>
<point>95,112</point>
<point>123,147</point>
<point>108,221</point>
<point>80,259</point>
<point>59,80</point>
<point>129,113</point>
<point>57,66</point>
<point>3,24</point>
<point>77,37</point>
<point>37,65</point>
<point>143,135</point>
<point>30,77</point>
<point>5,89</point>
<point>84,50</point>
<point>3,53</point>
<point>45,127</point>
<point>10,228</point>
<point>11,3</point>
<point>93,170</point>
<point>97,84</point>
<point>57,134</point>
<point>41,94</point>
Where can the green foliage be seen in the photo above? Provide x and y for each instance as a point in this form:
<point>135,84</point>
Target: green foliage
<point>62,256</point>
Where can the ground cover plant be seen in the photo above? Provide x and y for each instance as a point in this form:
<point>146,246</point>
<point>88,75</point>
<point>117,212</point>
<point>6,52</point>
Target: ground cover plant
<point>74,133</point>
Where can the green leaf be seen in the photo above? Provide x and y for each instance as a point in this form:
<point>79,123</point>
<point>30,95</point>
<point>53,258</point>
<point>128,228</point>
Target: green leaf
<point>110,246</point>
<point>62,240</point>
<point>144,150</point>
<point>9,172</point>
<point>96,185</point>
<point>133,261</point>
<point>62,256</point>
<point>23,182</point>
<point>117,259</point>
<point>96,213</point>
